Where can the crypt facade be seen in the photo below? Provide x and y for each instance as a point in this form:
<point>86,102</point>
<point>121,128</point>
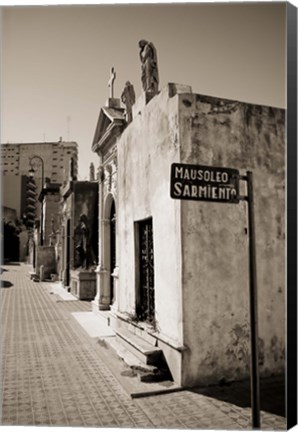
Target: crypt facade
<point>174,273</point>
<point>78,237</point>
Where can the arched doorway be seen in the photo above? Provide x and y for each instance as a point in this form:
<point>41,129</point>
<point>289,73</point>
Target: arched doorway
<point>112,220</point>
<point>109,255</point>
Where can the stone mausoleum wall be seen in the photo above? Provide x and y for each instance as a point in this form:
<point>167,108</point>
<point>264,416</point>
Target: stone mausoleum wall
<point>215,239</point>
<point>45,262</point>
<point>85,201</point>
<point>201,248</point>
<point>146,150</point>
<point>51,216</point>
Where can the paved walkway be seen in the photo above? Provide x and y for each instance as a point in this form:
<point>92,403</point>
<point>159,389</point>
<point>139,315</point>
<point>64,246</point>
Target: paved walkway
<point>55,373</point>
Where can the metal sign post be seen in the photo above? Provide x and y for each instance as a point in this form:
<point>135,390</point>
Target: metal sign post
<point>253,304</point>
<point>205,183</point>
<point>255,382</point>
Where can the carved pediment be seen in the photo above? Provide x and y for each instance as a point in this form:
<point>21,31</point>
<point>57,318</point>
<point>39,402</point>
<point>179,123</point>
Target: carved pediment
<point>110,125</point>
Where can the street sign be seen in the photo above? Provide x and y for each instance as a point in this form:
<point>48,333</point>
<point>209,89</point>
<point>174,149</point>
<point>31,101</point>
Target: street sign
<point>204,183</point>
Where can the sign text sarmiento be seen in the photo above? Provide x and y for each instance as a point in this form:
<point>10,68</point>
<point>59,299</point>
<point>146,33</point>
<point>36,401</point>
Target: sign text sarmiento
<point>204,183</point>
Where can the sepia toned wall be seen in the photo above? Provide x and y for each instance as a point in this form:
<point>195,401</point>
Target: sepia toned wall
<point>201,248</point>
<point>51,215</point>
<point>79,197</point>
<point>85,201</point>
<point>45,257</point>
<point>146,150</point>
<point>222,133</point>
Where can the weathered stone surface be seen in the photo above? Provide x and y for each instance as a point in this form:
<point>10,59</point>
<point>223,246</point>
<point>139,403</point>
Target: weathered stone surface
<point>79,198</point>
<point>201,249</point>
<point>215,240</point>
<point>45,256</point>
<point>83,284</point>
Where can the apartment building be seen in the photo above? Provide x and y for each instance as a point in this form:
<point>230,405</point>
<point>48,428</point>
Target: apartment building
<point>59,158</point>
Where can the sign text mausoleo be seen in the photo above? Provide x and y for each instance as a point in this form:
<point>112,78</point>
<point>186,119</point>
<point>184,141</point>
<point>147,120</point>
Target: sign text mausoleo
<point>204,183</point>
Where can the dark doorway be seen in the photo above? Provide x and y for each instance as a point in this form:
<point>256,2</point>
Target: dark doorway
<point>11,241</point>
<point>146,300</point>
<point>112,249</point>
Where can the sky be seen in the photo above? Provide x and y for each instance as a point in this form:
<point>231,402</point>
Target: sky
<point>56,61</point>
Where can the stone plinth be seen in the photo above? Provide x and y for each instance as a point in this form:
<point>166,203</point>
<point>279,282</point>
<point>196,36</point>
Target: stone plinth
<point>83,284</point>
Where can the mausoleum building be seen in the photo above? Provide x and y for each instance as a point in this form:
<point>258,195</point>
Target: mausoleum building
<point>174,270</point>
<point>79,237</point>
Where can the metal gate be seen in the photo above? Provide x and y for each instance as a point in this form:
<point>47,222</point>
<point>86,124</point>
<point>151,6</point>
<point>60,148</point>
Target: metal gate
<point>146,307</point>
<point>112,249</point>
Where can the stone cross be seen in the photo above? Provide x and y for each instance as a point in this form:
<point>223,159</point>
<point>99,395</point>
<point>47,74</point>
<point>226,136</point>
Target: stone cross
<point>111,83</point>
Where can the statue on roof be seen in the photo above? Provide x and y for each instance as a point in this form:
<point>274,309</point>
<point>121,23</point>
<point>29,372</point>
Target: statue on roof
<point>148,56</point>
<point>128,97</point>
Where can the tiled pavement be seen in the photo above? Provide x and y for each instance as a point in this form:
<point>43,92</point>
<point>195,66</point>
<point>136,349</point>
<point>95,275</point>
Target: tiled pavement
<point>53,373</point>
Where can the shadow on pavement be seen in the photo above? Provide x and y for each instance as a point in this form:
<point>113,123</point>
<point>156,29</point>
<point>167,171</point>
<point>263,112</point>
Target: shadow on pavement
<point>272,394</point>
<point>5,284</point>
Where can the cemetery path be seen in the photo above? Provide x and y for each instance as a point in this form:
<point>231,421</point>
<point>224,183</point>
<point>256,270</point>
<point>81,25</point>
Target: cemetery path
<point>53,373</point>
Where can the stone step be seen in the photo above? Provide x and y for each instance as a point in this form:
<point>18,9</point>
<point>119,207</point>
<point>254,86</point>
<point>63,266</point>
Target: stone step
<point>146,373</point>
<point>147,353</point>
<point>130,359</point>
<point>160,375</point>
<point>143,334</point>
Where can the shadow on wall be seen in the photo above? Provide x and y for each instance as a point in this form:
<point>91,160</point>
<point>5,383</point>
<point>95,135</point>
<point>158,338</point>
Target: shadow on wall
<point>272,394</point>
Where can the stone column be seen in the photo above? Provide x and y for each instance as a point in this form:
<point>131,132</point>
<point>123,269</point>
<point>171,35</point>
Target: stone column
<point>95,303</point>
<point>101,301</point>
<point>104,274</point>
